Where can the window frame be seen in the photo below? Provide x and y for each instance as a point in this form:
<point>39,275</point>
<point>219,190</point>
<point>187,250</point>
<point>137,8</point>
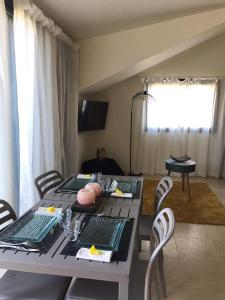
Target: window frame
<point>213,127</point>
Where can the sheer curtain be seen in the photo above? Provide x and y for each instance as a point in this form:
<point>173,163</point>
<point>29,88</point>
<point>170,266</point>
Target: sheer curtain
<point>205,145</point>
<point>43,89</point>
<point>68,91</point>
<point>7,159</point>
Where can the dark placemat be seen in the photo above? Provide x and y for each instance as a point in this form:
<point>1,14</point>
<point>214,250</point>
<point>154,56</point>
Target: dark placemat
<point>128,186</point>
<point>43,245</point>
<point>73,184</point>
<point>76,207</point>
<point>46,244</point>
<point>31,227</point>
<point>71,248</point>
<point>102,231</point>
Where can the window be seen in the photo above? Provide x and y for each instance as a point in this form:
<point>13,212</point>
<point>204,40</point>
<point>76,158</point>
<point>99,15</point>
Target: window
<point>188,103</point>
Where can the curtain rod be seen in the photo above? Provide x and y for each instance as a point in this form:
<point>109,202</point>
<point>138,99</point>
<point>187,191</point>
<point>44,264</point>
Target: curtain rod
<point>44,21</point>
<point>147,79</point>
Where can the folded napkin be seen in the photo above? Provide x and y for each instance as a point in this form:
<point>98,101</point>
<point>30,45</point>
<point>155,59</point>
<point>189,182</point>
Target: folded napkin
<point>49,211</point>
<point>123,195</point>
<point>103,255</point>
<point>85,176</point>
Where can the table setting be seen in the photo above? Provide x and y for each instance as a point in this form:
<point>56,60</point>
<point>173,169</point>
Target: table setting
<point>67,249</point>
<point>35,231</point>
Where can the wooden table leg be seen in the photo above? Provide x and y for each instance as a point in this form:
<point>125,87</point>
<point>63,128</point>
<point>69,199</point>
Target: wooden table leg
<point>188,187</point>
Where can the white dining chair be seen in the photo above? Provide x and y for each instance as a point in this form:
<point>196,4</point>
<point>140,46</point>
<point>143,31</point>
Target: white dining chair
<point>144,273</point>
<point>145,221</point>
<point>26,285</point>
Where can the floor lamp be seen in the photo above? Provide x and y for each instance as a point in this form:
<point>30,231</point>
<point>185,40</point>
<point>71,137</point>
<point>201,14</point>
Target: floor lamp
<point>134,98</point>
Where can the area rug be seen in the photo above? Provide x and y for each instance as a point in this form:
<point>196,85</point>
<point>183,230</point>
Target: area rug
<point>203,208</point>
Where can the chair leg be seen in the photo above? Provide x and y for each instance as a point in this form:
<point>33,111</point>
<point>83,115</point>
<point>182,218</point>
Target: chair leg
<point>162,274</point>
<point>157,282</point>
<point>139,245</point>
<point>152,247</point>
<point>157,289</point>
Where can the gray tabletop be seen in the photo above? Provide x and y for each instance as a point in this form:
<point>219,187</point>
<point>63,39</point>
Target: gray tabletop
<point>55,263</point>
<point>72,197</point>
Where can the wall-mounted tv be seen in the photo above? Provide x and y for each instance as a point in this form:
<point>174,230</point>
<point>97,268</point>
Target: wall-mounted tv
<point>92,115</point>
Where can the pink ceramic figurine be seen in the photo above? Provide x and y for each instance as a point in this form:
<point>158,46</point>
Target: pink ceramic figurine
<point>86,196</point>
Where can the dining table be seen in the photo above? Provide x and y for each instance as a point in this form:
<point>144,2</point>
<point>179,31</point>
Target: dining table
<point>54,258</point>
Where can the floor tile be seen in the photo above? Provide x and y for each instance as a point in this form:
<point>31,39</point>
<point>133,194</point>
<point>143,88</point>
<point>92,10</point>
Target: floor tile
<point>216,233</point>
<point>195,256</point>
<point>174,280</point>
<point>205,290</point>
<point>196,269</point>
<point>170,250</point>
<point>145,245</point>
<point>220,193</point>
<point>204,279</point>
<point>196,247</point>
<point>190,230</point>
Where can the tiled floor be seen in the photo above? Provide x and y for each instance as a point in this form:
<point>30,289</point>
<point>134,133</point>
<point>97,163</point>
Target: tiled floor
<point>195,257</point>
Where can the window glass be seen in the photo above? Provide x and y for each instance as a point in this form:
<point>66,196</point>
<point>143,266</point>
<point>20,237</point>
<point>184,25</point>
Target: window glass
<point>182,104</point>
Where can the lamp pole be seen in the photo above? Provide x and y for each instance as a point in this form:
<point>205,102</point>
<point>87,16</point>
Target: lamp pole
<point>142,93</point>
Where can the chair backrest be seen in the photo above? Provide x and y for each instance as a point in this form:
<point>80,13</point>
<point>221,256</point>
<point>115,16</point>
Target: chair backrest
<point>162,230</point>
<point>7,214</point>
<point>48,181</point>
<point>162,190</point>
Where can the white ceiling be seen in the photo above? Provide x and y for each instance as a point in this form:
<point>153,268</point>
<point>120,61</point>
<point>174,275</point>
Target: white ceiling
<point>82,19</point>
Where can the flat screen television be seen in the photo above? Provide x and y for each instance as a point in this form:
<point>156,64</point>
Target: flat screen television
<point>92,115</point>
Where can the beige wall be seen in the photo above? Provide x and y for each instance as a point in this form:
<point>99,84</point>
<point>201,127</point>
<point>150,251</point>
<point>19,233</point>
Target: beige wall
<point>115,137</point>
<point>109,59</point>
<point>207,59</point>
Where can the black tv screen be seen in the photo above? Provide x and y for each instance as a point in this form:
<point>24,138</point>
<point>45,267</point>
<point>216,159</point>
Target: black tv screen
<point>92,115</point>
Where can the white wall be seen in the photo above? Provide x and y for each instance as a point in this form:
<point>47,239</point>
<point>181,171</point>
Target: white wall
<point>109,59</point>
<point>207,59</point>
<point>115,137</point>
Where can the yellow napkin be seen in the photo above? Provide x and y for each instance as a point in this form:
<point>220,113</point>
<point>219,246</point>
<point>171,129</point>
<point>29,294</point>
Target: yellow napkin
<point>95,251</point>
<point>118,191</point>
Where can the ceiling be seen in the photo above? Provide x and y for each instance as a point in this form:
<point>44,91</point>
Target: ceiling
<point>82,19</point>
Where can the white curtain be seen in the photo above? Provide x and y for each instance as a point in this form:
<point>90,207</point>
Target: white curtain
<point>68,91</point>
<point>7,171</point>
<point>217,140</point>
<point>205,146</point>
<point>39,81</point>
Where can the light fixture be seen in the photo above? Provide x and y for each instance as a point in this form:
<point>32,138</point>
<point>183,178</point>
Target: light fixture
<point>134,98</point>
